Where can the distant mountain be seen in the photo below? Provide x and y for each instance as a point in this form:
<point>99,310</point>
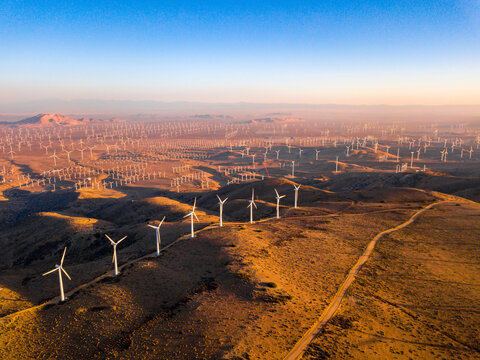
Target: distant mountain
<point>55,120</point>
<point>275,120</point>
<point>47,119</point>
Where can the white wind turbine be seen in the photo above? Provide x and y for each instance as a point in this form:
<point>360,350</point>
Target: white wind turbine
<point>278,202</point>
<point>221,202</point>
<point>114,244</point>
<point>68,155</point>
<point>60,268</point>
<point>251,205</point>
<point>296,187</point>
<point>54,156</point>
<point>192,214</point>
<point>157,234</point>
<point>91,153</point>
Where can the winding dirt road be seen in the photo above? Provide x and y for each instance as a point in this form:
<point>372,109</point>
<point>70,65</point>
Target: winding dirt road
<point>332,308</point>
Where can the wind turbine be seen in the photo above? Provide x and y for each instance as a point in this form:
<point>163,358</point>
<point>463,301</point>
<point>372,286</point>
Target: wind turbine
<point>68,155</point>
<point>157,234</point>
<point>91,154</point>
<point>192,214</point>
<point>114,244</point>
<point>60,268</point>
<point>278,202</point>
<point>221,202</point>
<point>251,205</point>
<point>54,156</point>
<point>296,187</point>
<point>81,152</point>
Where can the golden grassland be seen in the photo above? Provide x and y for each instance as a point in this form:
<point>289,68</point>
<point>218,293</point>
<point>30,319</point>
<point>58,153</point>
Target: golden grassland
<point>243,291</point>
<point>417,298</point>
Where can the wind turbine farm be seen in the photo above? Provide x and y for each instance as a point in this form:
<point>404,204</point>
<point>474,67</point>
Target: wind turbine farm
<point>369,193</point>
<point>230,185</point>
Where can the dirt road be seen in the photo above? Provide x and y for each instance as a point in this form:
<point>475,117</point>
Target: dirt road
<point>332,308</point>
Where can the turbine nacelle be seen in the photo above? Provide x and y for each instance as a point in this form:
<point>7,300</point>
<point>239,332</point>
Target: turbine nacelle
<point>251,202</point>
<point>278,195</point>
<point>192,212</point>
<point>220,201</point>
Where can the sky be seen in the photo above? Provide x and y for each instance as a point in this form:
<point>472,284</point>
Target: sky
<point>308,52</point>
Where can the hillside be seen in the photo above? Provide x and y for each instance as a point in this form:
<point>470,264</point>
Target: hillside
<point>241,292</point>
<point>56,120</point>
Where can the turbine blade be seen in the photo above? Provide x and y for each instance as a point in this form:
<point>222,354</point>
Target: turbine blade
<point>161,222</point>
<point>281,197</point>
<point>119,241</point>
<point>68,276</point>
<point>108,237</point>
<point>49,272</point>
<point>63,256</point>
<point>276,192</point>
<point>219,198</point>
<point>152,226</point>
<point>196,217</point>
<point>190,213</point>
<point>254,205</point>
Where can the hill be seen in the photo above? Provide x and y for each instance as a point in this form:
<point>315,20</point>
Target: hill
<point>55,120</point>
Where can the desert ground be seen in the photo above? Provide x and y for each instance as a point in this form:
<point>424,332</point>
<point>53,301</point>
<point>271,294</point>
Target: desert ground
<point>244,290</point>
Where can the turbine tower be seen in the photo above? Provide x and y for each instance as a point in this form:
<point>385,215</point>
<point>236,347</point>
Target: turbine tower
<point>157,235</point>
<point>114,244</point>
<point>221,202</point>
<point>296,187</point>
<point>192,214</point>
<point>60,268</point>
<point>278,202</point>
<point>251,205</point>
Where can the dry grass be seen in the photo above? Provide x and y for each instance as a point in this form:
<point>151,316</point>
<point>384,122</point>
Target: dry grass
<point>241,291</point>
<point>418,297</point>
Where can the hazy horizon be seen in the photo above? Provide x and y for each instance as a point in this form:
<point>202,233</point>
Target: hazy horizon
<point>241,110</point>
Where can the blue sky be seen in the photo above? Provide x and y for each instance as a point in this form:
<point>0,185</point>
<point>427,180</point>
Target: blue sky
<point>344,52</point>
